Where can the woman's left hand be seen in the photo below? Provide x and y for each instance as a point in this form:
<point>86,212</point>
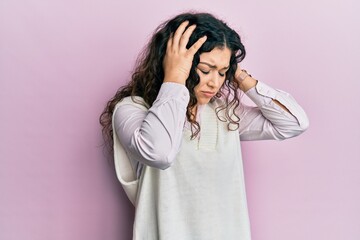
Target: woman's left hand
<point>245,80</point>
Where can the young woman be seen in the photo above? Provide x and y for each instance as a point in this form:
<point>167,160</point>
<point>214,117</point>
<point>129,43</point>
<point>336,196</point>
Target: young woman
<point>176,128</point>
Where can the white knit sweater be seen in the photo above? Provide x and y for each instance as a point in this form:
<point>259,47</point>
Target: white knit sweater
<point>202,195</point>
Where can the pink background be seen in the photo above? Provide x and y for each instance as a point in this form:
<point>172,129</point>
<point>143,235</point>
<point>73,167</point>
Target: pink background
<point>61,60</point>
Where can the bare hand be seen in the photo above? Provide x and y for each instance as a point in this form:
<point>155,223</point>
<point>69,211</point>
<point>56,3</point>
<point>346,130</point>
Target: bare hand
<point>178,59</point>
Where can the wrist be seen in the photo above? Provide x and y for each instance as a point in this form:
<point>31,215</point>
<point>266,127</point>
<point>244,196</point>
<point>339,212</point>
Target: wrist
<point>242,75</point>
<point>247,84</point>
<point>245,80</point>
<point>174,80</point>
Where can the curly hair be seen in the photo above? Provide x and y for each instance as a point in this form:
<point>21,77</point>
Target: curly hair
<point>148,74</point>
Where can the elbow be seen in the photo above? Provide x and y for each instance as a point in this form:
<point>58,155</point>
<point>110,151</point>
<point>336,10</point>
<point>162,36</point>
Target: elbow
<point>295,131</point>
<point>161,162</point>
<point>302,127</point>
<point>158,161</point>
<point>304,124</point>
<point>157,154</point>
<point>151,156</point>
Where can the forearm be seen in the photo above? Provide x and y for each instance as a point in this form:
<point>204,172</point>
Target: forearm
<point>277,115</point>
<point>153,136</point>
<point>250,82</point>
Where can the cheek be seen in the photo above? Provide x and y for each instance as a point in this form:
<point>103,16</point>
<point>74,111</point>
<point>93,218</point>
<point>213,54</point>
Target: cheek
<point>222,82</point>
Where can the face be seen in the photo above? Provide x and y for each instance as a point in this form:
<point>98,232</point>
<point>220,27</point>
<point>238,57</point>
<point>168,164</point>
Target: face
<point>212,71</point>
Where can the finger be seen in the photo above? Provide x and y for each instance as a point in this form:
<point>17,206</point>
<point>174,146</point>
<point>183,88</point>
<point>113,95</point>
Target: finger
<point>186,36</point>
<point>170,40</point>
<point>197,45</point>
<point>178,33</point>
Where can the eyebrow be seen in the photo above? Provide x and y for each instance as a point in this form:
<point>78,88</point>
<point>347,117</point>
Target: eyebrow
<point>213,66</point>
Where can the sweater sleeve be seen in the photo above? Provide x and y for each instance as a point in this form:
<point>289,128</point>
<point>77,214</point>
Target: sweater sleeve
<point>268,120</point>
<point>153,136</point>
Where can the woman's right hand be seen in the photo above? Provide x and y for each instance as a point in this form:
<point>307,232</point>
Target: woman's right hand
<point>178,59</point>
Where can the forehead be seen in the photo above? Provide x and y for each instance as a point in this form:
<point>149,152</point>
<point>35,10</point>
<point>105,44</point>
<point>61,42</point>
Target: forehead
<point>218,56</point>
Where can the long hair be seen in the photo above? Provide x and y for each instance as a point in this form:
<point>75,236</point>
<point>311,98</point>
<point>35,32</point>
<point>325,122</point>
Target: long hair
<point>148,74</point>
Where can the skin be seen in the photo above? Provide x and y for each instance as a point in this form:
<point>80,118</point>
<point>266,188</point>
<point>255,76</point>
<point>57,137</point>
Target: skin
<point>178,59</point>
<point>211,68</point>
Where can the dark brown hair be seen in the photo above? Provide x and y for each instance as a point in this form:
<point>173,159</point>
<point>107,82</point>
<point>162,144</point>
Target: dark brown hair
<point>148,74</point>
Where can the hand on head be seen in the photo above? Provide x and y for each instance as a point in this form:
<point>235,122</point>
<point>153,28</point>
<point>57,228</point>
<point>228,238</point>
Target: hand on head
<point>178,59</point>
<point>244,79</point>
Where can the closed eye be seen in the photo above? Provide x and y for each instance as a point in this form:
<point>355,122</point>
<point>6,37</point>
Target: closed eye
<point>207,72</point>
<point>204,72</point>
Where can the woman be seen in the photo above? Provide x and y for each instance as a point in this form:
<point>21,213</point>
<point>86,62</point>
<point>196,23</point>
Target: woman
<point>176,129</point>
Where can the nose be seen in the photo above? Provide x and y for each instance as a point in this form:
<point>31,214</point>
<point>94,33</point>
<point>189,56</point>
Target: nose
<point>214,80</point>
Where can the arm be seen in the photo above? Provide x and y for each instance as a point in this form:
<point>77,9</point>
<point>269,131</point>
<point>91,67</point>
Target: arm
<point>277,115</point>
<point>249,82</point>
<point>153,137</point>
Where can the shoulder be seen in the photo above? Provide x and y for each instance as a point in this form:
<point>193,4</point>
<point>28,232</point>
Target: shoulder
<point>129,108</point>
<point>132,101</point>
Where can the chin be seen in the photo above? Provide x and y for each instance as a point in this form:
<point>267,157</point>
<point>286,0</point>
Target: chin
<point>203,101</point>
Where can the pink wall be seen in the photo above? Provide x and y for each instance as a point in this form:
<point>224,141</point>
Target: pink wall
<point>61,60</point>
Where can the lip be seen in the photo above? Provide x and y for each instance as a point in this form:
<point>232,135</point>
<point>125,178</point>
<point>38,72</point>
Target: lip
<point>208,94</point>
